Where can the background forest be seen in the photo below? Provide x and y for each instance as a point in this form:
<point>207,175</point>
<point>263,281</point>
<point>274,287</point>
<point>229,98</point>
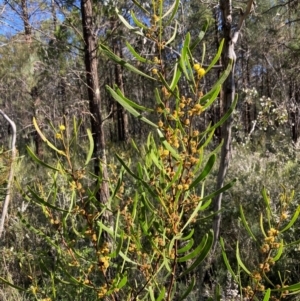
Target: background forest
<point>157,150</point>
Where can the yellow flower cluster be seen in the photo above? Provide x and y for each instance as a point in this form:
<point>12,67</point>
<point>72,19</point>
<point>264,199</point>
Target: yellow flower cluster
<point>105,249</point>
<point>248,292</point>
<point>58,135</point>
<point>196,110</point>
<point>103,263</point>
<point>156,60</point>
<point>62,128</point>
<point>270,243</point>
<point>271,240</point>
<point>154,19</point>
<point>102,291</point>
<point>199,70</point>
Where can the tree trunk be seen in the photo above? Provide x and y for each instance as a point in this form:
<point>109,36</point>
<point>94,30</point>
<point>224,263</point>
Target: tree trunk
<point>91,67</point>
<point>228,93</point>
<point>36,104</point>
<point>53,13</point>
<point>25,18</point>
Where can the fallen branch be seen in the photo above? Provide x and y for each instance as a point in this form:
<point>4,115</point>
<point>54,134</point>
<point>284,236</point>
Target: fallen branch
<point>10,178</point>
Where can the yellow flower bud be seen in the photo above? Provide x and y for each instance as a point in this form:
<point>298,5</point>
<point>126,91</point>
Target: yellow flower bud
<point>197,67</point>
<point>200,72</point>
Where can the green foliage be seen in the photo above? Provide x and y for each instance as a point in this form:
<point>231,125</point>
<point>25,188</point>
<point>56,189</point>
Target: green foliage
<point>145,243</point>
<point>269,249</point>
<point>141,244</point>
<point>5,162</point>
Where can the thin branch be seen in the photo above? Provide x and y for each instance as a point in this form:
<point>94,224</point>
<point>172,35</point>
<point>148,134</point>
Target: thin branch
<point>11,173</point>
<point>277,6</point>
<point>244,15</point>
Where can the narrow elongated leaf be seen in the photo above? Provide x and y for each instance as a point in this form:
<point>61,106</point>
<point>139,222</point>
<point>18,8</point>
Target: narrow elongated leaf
<point>38,200</point>
<point>217,56</point>
<point>267,295</point>
<point>123,63</point>
<point>200,36</point>
<point>226,116</point>
<point>291,288</point>
<point>172,9</point>
<point>156,160</point>
<point>45,139</point>
<point>186,248</point>
<point>122,282</point>
<point>36,159</point>
<point>183,57</point>
<point>208,139</point>
<point>189,236</point>
<point>221,190</point>
<point>162,78</point>
<point>206,204</point>
<point>161,295</point>
<point>131,28</point>
<point>195,252</point>
<point>173,35</point>
<point>91,148</point>
<point>219,82</point>
<point>75,127</point>
<point>19,288</point>
<point>240,262</point>
<point>132,103</point>
<point>192,216</point>
<point>245,223</point>
<point>135,146</point>
<point>118,184</point>
<point>279,252</point>
<point>137,3</point>
<point>105,228</point>
<point>151,293</point>
<point>203,254</point>
<point>292,221</point>
<point>74,279</point>
<point>266,198</point>
<point>296,242</point>
<point>128,107</point>
<point>137,21</point>
<point>136,177</point>
<point>209,165</point>
<point>261,223</point>
<point>157,97</point>
<point>135,54</point>
<point>176,77</point>
<point>229,268</point>
<point>212,97</point>
<point>166,262</point>
<point>188,290</point>
<point>203,54</point>
<point>146,202</point>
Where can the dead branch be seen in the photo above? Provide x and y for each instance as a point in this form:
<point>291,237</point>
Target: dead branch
<point>10,178</point>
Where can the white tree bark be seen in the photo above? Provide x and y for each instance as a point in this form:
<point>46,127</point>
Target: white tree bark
<point>11,172</point>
